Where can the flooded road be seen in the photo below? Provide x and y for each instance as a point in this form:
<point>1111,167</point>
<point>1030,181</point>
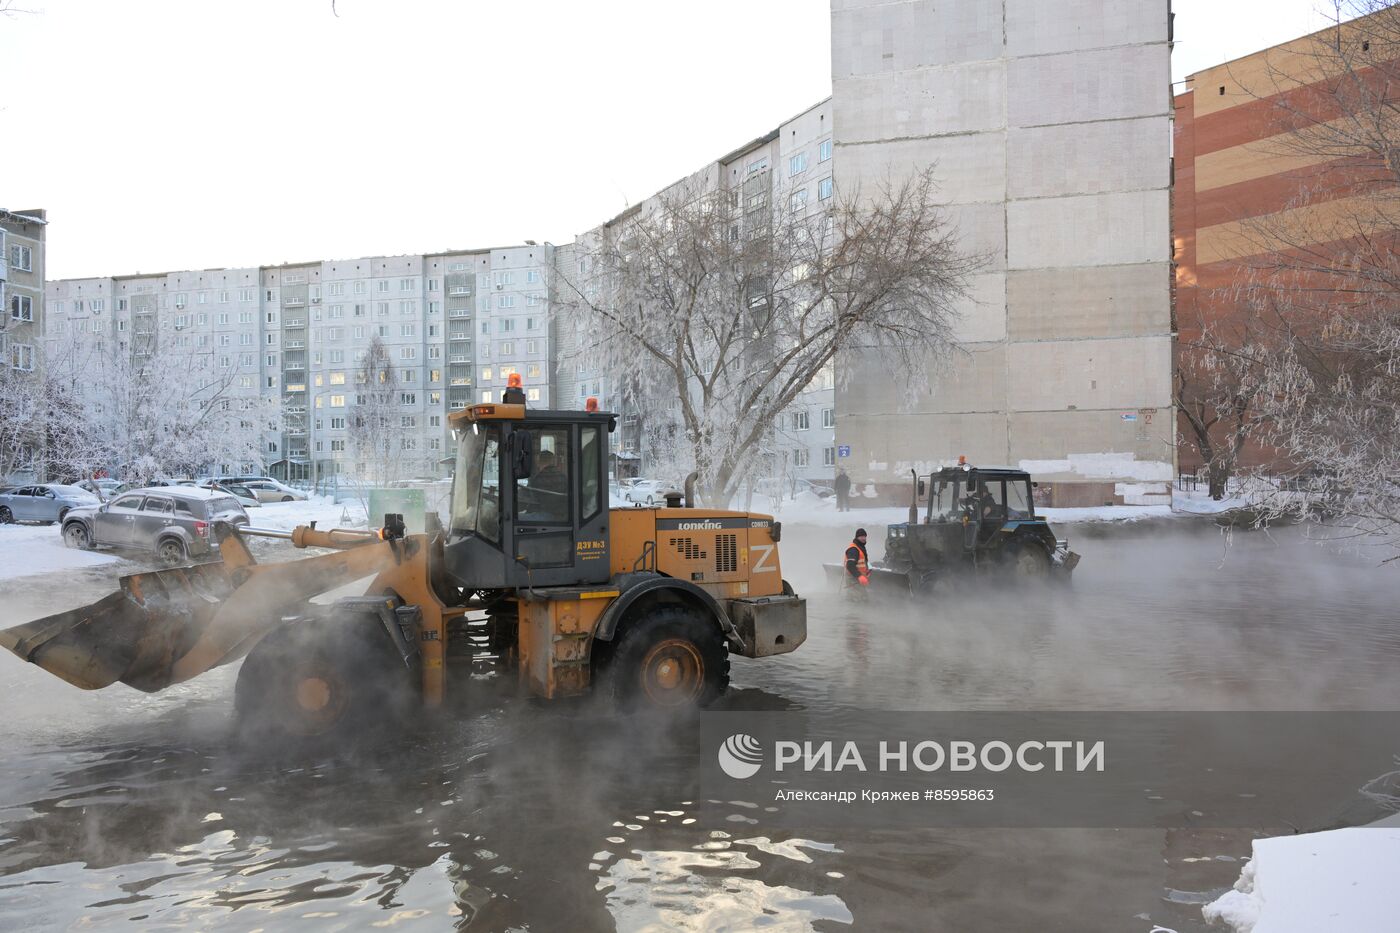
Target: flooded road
<point>122,808</point>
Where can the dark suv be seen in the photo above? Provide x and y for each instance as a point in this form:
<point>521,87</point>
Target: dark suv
<point>176,522</point>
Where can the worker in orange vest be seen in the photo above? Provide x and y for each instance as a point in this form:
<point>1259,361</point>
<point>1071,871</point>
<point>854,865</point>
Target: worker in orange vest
<point>857,561</point>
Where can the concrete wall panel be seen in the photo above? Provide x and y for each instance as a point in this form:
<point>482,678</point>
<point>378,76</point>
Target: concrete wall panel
<point>1088,158</point>
<point>1035,27</point>
<point>970,167</point>
<point>926,102</point>
<point>1079,87</point>
<point>1102,229</point>
<point>914,34</point>
<point>971,381</point>
<point>887,446</point>
<point>1127,373</point>
<point>1091,301</point>
<point>1075,432</point>
<point>982,315</point>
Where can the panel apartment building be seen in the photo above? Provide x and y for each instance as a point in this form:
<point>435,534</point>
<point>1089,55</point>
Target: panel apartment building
<point>455,325</point>
<point>1049,126</point>
<point>790,169</point>
<point>21,304</point>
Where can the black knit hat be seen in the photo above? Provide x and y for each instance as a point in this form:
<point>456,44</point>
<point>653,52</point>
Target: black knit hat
<point>859,532</point>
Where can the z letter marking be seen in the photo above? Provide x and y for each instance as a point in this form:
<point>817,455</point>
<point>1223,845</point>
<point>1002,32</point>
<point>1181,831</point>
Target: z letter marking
<point>765,551</point>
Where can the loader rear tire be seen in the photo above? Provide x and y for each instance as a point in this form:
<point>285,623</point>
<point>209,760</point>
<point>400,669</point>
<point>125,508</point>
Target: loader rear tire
<point>672,658</point>
<point>323,680</point>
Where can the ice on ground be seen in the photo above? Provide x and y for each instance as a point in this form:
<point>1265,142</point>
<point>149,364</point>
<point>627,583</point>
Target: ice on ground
<point>809,509</point>
<point>31,549</point>
<point>1342,879</point>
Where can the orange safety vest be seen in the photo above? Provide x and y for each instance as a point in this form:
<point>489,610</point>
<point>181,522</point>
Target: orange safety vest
<point>862,565</point>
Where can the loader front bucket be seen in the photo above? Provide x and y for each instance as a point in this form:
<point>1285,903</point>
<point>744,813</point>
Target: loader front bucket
<point>167,626</point>
<point>136,635</point>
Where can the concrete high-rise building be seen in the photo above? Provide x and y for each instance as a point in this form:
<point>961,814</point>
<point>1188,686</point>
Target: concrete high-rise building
<point>454,326</point>
<point>22,301</point>
<point>1048,126</point>
<point>22,288</point>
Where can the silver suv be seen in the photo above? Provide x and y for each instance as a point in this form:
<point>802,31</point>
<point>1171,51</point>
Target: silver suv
<point>176,522</point>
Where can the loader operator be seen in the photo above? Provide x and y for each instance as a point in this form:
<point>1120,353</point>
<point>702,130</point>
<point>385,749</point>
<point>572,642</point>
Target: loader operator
<point>857,561</point>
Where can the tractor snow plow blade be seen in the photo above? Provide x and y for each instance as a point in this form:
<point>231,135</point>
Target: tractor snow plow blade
<point>883,581</point>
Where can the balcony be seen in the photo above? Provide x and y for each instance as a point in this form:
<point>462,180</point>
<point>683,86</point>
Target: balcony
<point>459,335</point>
<point>298,366</point>
<point>296,387</point>
<point>459,359</point>
<point>459,291</point>
<point>294,322</point>
<point>460,312</point>
<point>294,345</point>
<point>460,381</point>
<point>457,406</point>
<point>295,432</point>
<point>293,302</point>
<point>294,409</point>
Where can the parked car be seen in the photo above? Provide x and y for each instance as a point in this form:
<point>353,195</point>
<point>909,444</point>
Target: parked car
<point>242,493</point>
<point>176,522</point>
<point>646,491</point>
<point>46,503</point>
<point>270,490</point>
<point>104,488</point>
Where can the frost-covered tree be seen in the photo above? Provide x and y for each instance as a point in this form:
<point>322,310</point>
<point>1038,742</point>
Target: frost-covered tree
<point>722,311</point>
<point>159,406</point>
<point>376,436</point>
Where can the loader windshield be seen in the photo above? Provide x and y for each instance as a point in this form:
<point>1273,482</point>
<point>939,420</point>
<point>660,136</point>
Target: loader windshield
<point>476,488</point>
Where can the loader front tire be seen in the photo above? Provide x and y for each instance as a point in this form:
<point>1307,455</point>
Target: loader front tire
<point>672,658</point>
<point>323,679</point>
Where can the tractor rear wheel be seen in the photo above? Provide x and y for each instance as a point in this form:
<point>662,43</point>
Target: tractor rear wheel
<point>672,658</point>
<point>1030,562</point>
<point>323,679</point>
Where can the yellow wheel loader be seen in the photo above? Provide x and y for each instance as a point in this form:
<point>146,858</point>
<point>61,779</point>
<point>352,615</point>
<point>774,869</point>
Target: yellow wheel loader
<point>534,572</point>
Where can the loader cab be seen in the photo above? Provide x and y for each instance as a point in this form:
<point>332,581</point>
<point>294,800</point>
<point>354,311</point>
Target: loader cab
<point>529,498</point>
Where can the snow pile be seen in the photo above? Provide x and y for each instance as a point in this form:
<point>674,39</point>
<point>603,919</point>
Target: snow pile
<point>1342,879</point>
<point>1104,466</point>
<point>323,510</point>
<point>30,549</point>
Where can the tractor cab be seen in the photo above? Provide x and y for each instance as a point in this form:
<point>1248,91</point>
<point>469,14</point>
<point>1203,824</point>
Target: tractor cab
<point>974,518</point>
<point>529,496</point>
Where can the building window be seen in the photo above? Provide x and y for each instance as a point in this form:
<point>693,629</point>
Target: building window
<point>408,398</point>
<point>508,324</point>
<point>532,276</point>
<point>532,370</point>
<point>758,165</point>
<point>408,353</point>
<point>383,285</point>
<point>800,421</point>
<point>22,308</point>
<point>408,330</point>
<point>800,457</point>
<point>338,379</point>
<point>824,151</point>
<point>383,308</point>
<point>505,301</point>
<point>828,417</point>
<point>797,164</point>
<point>507,348</point>
<point>408,307</point>
<point>486,327</point>
<point>21,258</point>
<point>532,395</point>
<point>828,456</point>
<point>824,188</point>
<point>798,201</point>
<point>486,374</point>
<point>337,401</point>
<point>337,445</point>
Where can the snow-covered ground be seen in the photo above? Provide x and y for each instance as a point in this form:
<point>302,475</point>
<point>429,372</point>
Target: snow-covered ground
<point>323,510</point>
<point>808,509</point>
<point>1342,879</point>
<point>31,549</point>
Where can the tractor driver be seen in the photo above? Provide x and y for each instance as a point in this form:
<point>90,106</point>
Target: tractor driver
<point>549,487</point>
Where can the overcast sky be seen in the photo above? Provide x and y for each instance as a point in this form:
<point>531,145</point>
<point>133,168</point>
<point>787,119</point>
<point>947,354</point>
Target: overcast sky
<point>175,134</point>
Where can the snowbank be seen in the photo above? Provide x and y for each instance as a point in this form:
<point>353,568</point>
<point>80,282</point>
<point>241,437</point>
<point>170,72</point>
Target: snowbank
<point>1342,879</point>
<point>822,513</point>
<point>31,549</point>
<point>323,510</point>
